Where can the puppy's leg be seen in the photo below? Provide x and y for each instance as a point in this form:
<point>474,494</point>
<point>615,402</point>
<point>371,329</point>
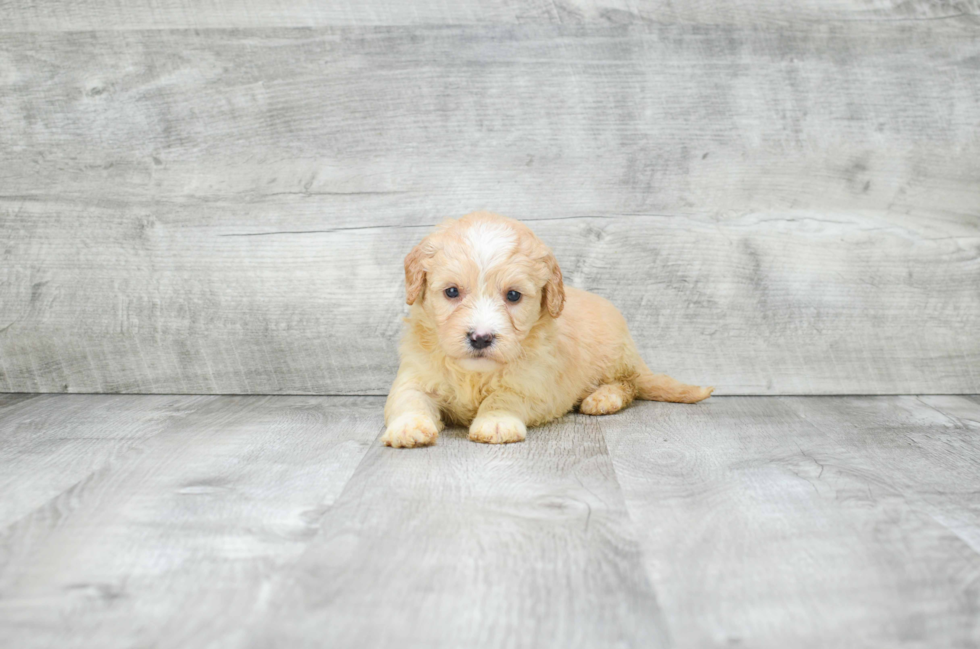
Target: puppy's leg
<point>412,417</point>
<point>500,420</point>
<point>608,398</point>
<point>660,387</point>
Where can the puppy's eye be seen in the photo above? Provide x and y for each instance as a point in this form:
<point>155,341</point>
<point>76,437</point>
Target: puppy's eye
<point>452,292</point>
<point>513,296</point>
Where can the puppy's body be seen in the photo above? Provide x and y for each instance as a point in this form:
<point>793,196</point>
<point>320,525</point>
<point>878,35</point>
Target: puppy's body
<point>553,348</point>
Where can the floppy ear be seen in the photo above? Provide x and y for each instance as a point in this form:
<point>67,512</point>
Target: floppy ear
<point>414,273</point>
<point>554,288</point>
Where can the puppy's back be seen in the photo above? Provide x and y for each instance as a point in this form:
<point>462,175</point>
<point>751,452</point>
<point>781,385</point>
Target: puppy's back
<point>595,335</point>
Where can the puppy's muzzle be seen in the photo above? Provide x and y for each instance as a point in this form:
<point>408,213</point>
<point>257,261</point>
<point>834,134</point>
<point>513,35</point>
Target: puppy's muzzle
<point>479,341</point>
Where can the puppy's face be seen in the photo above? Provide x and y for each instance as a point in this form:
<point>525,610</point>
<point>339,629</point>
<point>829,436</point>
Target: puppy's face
<point>485,282</point>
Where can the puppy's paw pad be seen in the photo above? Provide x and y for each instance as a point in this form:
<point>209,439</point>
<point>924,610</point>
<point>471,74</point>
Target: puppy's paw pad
<point>411,430</point>
<point>602,402</point>
<point>497,430</point>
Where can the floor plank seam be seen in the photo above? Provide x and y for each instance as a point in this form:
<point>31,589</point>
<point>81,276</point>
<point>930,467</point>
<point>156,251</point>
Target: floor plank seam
<point>634,530</point>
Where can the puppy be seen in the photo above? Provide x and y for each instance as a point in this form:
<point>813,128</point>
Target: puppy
<point>495,341</point>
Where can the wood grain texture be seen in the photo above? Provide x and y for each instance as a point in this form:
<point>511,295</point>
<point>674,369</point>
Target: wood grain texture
<point>925,449</point>
<point>196,536</point>
<point>242,522</point>
<point>50,445</point>
<point>775,210</point>
<point>171,540</point>
<point>76,15</point>
<point>807,522</point>
<point>470,545</point>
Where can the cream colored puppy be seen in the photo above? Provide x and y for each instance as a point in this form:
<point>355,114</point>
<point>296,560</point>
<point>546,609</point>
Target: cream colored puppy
<point>495,341</point>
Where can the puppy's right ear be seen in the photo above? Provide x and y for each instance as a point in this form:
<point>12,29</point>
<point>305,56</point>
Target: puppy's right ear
<point>414,273</point>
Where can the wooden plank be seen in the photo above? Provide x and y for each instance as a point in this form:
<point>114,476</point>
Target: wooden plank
<point>961,408</point>
<point>752,305</point>
<point>49,444</point>
<point>464,545</point>
<point>47,15</point>
<point>8,400</point>
<point>775,210</point>
<point>242,521</point>
<point>774,522</point>
<point>159,545</point>
<point>926,449</point>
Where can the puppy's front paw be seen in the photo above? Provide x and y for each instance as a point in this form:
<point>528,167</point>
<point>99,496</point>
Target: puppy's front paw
<point>497,429</point>
<point>411,430</point>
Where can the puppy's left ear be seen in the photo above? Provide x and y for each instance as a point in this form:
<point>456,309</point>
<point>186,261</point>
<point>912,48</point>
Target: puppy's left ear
<point>554,288</point>
<point>415,273</point>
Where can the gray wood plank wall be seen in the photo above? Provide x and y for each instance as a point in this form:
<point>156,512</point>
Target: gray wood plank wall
<point>783,198</point>
<point>77,15</point>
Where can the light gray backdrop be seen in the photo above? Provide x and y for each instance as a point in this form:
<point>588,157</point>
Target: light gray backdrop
<point>215,197</point>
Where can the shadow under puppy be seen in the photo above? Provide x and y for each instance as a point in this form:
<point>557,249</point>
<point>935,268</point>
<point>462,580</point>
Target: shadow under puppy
<point>495,340</point>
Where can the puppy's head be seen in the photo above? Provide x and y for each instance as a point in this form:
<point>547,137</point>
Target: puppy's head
<point>484,282</point>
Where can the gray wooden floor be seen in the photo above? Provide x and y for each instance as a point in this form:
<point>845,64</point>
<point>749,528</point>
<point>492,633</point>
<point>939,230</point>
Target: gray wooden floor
<point>209,521</point>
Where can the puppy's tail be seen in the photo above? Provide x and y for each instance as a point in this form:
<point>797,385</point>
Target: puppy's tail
<point>660,387</point>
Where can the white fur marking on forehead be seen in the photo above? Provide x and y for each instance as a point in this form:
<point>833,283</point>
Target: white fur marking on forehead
<point>490,243</point>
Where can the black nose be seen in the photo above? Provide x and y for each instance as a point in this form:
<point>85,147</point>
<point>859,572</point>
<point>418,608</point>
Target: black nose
<point>481,341</point>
